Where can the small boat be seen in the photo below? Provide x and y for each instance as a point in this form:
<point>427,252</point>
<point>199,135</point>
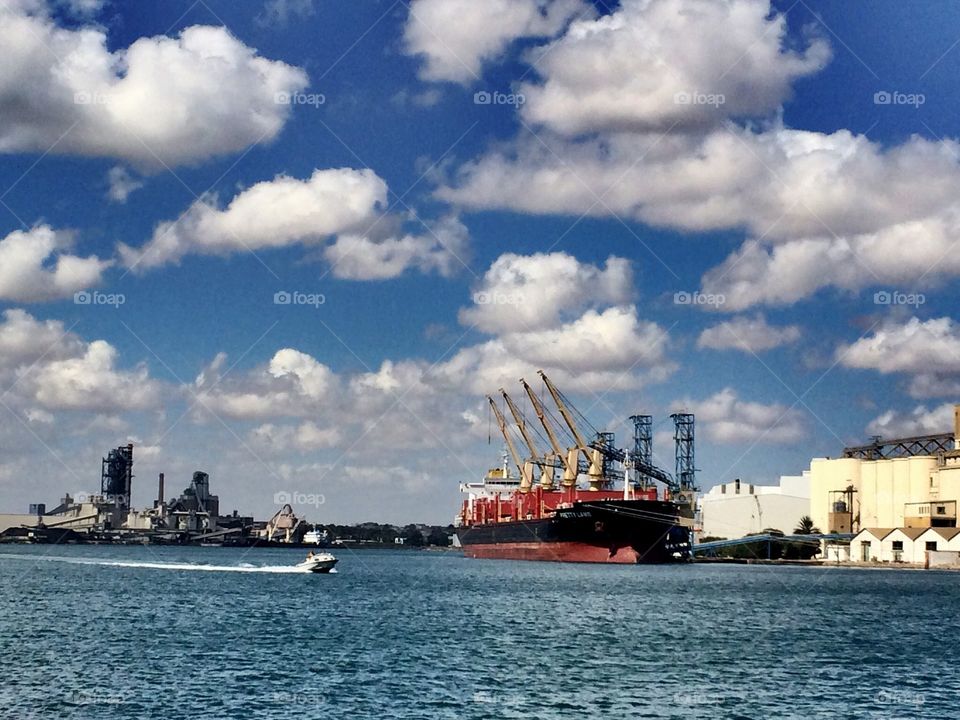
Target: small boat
<point>319,563</point>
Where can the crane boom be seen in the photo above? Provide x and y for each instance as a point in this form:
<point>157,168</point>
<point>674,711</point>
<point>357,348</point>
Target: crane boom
<point>546,468</point>
<point>521,424</point>
<point>525,469</point>
<point>592,455</point>
<point>542,417</point>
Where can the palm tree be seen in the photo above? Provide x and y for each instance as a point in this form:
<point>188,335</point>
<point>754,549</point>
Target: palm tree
<point>806,527</point>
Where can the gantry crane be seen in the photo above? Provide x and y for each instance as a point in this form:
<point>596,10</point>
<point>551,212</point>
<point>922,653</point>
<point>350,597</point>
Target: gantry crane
<point>593,455</point>
<point>546,467</point>
<point>525,468</point>
<point>567,458</point>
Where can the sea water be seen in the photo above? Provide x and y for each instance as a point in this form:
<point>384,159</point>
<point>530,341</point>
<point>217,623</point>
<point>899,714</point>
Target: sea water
<point>105,632</point>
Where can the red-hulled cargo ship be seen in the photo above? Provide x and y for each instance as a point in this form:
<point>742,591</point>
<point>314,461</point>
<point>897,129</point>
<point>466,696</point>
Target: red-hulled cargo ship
<point>534,518</point>
<point>571,525</point>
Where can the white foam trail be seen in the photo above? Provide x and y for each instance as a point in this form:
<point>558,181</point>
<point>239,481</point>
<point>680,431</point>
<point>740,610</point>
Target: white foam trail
<point>245,568</point>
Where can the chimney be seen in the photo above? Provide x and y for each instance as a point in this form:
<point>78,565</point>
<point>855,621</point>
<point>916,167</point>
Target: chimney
<point>160,491</point>
<point>956,427</point>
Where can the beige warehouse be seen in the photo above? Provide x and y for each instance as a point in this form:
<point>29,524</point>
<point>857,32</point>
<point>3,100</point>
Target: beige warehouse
<point>921,491</point>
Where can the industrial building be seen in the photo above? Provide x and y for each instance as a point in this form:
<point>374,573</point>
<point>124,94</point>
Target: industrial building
<point>107,515</point>
<point>735,509</point>
<point>898,497</point>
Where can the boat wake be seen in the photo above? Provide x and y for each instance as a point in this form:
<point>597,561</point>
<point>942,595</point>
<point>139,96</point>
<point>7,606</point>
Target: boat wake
<point>190,567</point>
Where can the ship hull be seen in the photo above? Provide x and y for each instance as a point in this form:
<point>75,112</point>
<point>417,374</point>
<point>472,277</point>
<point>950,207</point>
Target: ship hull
<point>610,531</point>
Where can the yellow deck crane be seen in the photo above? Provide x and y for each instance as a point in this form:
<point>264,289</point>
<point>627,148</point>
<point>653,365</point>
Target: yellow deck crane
<point>525,468</point>
<point>568,458</point>
<point>546,466</point>
<point>593,456</point>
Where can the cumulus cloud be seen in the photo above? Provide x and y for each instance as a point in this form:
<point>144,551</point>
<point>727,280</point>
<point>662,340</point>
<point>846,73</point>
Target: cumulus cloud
<point>160,101</point>
<point>927,351</point>
<point>271,214</point>
<point>305,437</point>
<point>597,352</point>
<point>916,347</point>
<point>122,183</point>
<point>725,418</point>
<point>47,367</point>
<point>667,63</point>
<point>533,292</point>
<point>821,210</point>
<point>93,382</point>
<point>456,37</point>
<point>919,421</point>
<point>34,266</point>
<point>751,334</point>
<point>24,340</point>
<point>292,384</point>
<point>441,248</point>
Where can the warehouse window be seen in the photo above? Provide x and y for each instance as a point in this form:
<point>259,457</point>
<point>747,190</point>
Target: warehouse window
<point>932,545</point>
<point>897,550</point>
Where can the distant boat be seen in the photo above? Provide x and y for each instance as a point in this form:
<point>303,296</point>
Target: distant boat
<point>319,563</point>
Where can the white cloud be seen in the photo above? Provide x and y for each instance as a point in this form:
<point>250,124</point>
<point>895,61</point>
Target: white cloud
<point>160,101</point>
<point>271,214</point>
<point>725,418</point>
<point>42,363</point>
<point>292,384</point>
<point>456,37</point>
<point>305,437</point>
<point>919,421</point>
<point>750,334</point>
<point>915,347</point>
<point>633,69</point>
<point>443,247</point>
<point>122,183</point>
<point>92,382</point>
<point>35,267</point>
<point>597,352</point>
<point>533,292</point>
<point>24,339</point>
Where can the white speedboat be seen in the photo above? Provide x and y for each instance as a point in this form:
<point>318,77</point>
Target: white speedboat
<point>319,563</point>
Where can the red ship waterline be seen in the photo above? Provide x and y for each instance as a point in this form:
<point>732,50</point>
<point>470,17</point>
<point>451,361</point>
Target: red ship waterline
<point>629,512</point>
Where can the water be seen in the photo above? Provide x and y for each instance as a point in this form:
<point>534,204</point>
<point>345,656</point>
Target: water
<point>404,634</point>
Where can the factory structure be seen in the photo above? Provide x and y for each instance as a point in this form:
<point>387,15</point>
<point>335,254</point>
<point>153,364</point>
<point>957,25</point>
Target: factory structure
<point>735,509</point>
<point>897,498</point>
<point>108,515</point>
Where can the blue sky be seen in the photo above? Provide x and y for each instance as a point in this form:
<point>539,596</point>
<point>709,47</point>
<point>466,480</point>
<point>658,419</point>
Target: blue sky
<point>585,210</point>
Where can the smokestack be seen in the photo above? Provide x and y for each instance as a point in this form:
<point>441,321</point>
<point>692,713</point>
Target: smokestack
<point>160,491</point>
<point>956,427</point>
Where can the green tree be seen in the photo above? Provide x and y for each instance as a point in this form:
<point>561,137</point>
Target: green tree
<point>806,527</point>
